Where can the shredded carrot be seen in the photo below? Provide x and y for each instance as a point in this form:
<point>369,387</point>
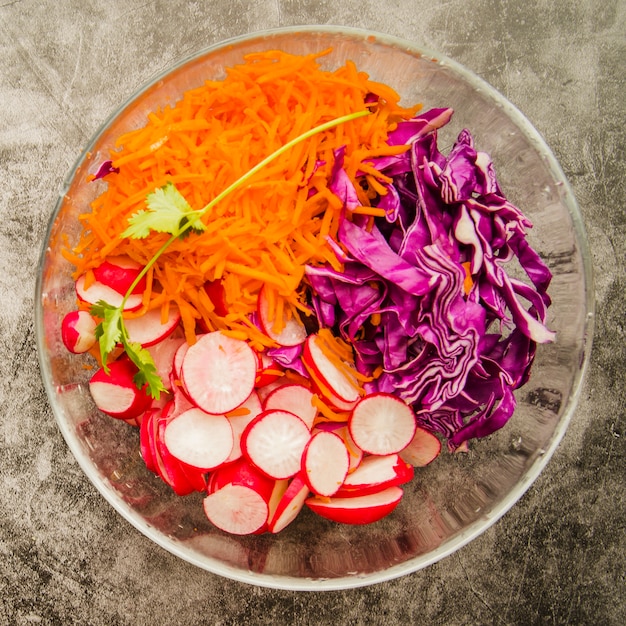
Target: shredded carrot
<point>326,414</point>
<point>268,230</point>
<point>468,282</point>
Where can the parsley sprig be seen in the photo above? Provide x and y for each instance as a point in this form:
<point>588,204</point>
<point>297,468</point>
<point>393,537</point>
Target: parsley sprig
<point>169,212</point>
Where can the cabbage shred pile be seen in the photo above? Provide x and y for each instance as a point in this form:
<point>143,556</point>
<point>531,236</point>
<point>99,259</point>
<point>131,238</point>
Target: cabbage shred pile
<point>455,349</point>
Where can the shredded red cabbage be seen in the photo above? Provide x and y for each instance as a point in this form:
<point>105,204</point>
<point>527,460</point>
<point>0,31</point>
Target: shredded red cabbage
<point>454,353</point>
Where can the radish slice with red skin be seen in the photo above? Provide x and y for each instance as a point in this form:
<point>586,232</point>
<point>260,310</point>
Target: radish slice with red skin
<point>179,357</point>
<point>199,439</point>
<point>324,392</point>
<point>265,390</point>
<point>382,424</point>
<point>296,399</point>
<point>241,472</point>
<point>359,509</point>
<point>217,294</point>
<point>168,468</point>
<point>116,394</point>
<point>355,454</point>
<point>423,449</point>
<point>376,473</point>
<point>78,332</point>
<point>218,372</point>
<point>339,382</point>
<point>145,445</point>
<point>148,330</point>
<point>293,332</point>
<point>236,509</point>
<point>240,422</point>
<point>274,442</point>
<point>119,273</point>
<point>97,292</point>
<point>268,372</point>
<point>278,491</point>
<point>163,354</point>
<point>325,463</point>
<point>290,504</point>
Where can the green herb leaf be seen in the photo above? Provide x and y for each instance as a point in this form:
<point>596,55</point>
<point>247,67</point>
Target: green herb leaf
<point>167,212</point>
<point>109,332</point>
<point>147,373</point>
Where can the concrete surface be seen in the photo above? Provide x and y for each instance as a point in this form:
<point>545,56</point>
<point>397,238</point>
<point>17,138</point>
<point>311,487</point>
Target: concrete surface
<point>67,558</point>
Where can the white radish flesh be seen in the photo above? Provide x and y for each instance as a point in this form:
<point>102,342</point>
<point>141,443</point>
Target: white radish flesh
<point>240,421</point>
<point>148,330</point>
<point>199,439</point>
<point>236,509</point>
<point>423,449</point>
<point>116,394</point>
<point>218,372</point>
<point>325,463</point>
<point>339,381</point>
<point>376,473</point>
<point>289,505</point>
<point>382,424</point>
<point>78,331</point>
<point>274,442</point>
<point>97,292</point>
<point>162,354</point>
<point>296,399</point>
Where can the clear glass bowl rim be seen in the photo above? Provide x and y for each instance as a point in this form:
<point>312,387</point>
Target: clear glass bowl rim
<point>526,480</point>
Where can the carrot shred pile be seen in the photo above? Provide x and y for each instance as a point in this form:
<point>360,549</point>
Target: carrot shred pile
<point>268,230</point>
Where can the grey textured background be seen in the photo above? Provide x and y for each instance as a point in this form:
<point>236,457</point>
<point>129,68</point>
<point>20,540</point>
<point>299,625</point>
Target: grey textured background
<point>67,558</point>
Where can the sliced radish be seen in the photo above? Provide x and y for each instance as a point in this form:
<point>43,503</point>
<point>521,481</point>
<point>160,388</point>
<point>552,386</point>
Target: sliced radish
<point>148,329</point>
<point>240,421</point>
<point>325,463</point>
<point>179,357</point>
<point>181,476</point>
<point>78,331</point>
<point>289,505</point>
<point>265,390</point>
<point>423,449</point>
<point>218,372</point>
<point>355,454</point>
<point>162,354</point>
<point>217,294</point>
<point>293,332</point>
<point>116,394</point>
<point>97,292</point>
<point>359,509</point>
<point>326,394</point>
<point>236,509</point>
<point>296,399</point>
<point>268,372</point>
<point>168,468</point>
<point>376,473</point>
<point>241,472</point>
<point>338,381</point>
<point>119,273</point>
<point>274,442</point>
<point>179,397</point>
<point>382,424</point>
<point>146,446</point>
<point>199,439</point>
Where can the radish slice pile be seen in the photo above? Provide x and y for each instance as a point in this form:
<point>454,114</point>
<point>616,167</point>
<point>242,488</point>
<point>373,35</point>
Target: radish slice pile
<point>259,440</point>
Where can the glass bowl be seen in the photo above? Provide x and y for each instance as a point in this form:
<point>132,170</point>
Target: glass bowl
<point>450,501</point>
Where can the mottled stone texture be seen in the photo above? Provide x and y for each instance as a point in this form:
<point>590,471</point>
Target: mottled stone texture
<point>67,558</point>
